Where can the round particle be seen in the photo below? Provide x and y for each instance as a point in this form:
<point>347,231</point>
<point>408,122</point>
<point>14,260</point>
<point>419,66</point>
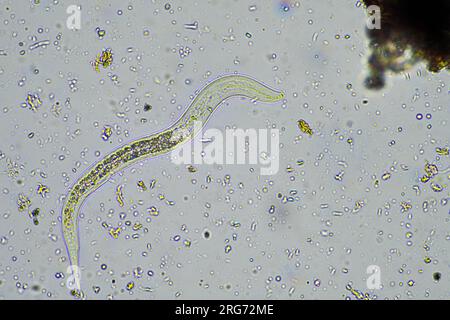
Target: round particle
<point>436,276</point>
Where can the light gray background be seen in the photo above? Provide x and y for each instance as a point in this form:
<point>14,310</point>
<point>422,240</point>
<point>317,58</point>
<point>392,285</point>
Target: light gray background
<point>313,70</point>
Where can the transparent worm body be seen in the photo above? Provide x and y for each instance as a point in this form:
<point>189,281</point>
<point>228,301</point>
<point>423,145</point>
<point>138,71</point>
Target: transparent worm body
<point>200,109</point>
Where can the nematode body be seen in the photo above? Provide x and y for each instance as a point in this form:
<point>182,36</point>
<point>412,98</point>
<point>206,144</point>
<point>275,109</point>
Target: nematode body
<point>200,109</point>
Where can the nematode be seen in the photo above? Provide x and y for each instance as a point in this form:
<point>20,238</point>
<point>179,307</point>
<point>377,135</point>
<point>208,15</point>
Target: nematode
<point>200,109</point>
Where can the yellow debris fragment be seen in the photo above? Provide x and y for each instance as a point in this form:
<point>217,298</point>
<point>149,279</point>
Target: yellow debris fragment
<point>119,195</point>
<point>114,232</point>
<point>304,127</point>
